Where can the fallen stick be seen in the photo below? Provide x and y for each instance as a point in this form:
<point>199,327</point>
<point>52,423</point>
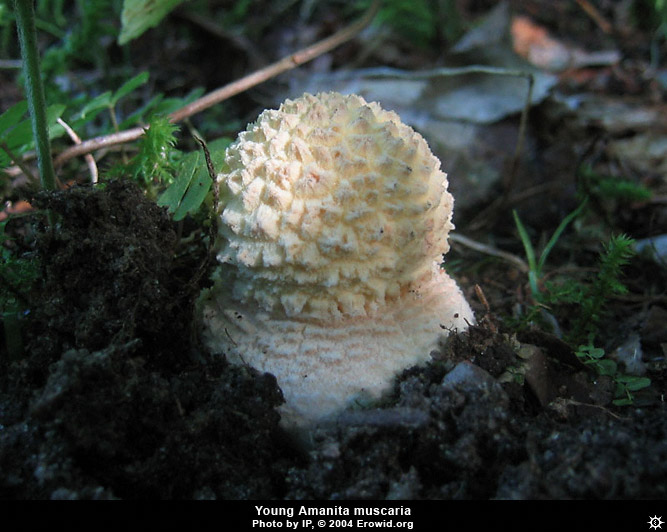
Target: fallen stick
<point>223,93</point>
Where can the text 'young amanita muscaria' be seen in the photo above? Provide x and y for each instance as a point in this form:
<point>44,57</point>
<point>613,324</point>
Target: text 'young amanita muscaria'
<point>334,216</point>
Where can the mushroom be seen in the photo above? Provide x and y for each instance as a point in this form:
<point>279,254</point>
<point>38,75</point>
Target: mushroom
<point>334,217</point>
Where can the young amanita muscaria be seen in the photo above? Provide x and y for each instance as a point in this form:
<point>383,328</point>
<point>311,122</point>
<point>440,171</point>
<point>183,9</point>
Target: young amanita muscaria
<point>334,219</point>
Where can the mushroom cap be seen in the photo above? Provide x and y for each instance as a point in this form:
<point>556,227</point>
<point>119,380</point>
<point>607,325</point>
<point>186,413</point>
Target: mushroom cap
<point>331,207</point>
<point>334,216</point>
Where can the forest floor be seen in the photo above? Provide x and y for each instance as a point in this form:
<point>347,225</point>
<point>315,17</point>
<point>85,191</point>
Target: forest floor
<point>115,397</point>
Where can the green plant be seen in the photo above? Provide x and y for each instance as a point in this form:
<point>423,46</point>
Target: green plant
<point>16,134</point>
<point>108,100</point>
<point>25,22</point>
<point>420,21</point>
<point>625,384</point>
<point>536,266</point>
<point>153,166</point>
<point>79,32</point>
<point>586,301</point>
<point>605,187</point>
<point>191,187</point>
<point>591,298</point>
<point>140,15</point>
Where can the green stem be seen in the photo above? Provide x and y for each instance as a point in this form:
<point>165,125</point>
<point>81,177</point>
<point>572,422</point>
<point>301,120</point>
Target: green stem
<point>24,11</point>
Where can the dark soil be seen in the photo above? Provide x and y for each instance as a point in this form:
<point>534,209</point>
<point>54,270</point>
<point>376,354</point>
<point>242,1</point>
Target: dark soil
<point>114,399</point>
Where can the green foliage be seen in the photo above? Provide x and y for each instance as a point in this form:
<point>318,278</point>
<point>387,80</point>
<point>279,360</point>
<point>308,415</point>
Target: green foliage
<point>82,41</point>
<point>625,384</point>
<point>595,356</point>
<point>192,185</point>
<point>606,187</point>
<point>89,113</point>
<point>536,266</point>
<point>584,301</point>
<point>16,137</point>
<point>587,299</point>
<point>591,298</point>
<point>140,15</point>
<point>420,21</point>
<point>153,165</point>
<point>109,100</point>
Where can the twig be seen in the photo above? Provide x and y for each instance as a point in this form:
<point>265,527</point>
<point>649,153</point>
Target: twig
<point>92,165</point>
<point>487,314</point>
<point>287,63</point>
<point>96,143</point>
<point>592,12</point>
<point>216,194</point>
<point>223,93</point>
<point>489,250</point>
<point>10,63</point>
<point>482,298</point>
<point>518,149</point>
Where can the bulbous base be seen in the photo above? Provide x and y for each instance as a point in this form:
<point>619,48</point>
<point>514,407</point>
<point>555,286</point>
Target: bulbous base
<point>323,366</point>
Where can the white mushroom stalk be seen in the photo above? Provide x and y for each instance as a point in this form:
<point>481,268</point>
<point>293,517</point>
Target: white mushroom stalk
<point>334,220</point>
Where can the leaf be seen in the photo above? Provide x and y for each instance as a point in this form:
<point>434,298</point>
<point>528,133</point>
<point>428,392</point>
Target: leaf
<point>634,383</point>
<point>53,113</point>
<point>161,106</point>
<point>169,105</point>
<point>140,114</point>
<point>13,115</point>
<point>217,149</point>
<point>622,402</point>
<point>186,194</point>
<point>101,101</point>
<point>140,15</point>
<point>172,197</point>
<point>20,139</point>
<point>127,87</point>
<point>559,230</point>
<point>590,351</point>
<point>606,367</point>
<point>195,195</point>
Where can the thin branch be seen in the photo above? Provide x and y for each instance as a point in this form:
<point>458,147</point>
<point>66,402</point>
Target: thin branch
<point>490,250</point>
<point>521,136</point>
<point>597,17</point>
<point>223,93</point>
<point>92,166</point>
<point>96,143</point>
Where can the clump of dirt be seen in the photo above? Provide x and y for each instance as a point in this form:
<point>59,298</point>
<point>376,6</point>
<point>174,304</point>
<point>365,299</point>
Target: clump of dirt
<point>113,398</point>
<point>107,269</point>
